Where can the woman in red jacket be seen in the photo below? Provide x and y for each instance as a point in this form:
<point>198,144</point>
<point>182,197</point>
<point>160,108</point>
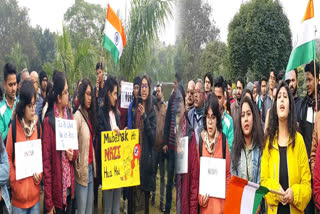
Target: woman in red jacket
<point>57,165</point>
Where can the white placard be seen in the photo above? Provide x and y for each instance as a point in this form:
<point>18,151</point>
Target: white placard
<point>182,156</point>
<point>126,94</point>
<point>213,177</point>
<point>28,156</point>
<point>66,134</point>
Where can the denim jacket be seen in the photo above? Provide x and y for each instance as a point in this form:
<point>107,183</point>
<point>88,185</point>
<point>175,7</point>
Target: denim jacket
<point>256,158</point>
<point>4,176</point>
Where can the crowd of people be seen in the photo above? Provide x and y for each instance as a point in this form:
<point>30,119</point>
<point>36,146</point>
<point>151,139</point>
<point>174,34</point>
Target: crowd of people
<point>264,131</point>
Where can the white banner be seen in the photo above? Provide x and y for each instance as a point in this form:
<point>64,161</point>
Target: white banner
<point>126,94</point>
<point>213,177</point>
<point>28,157</point>
<point>66,134</point>
<point>182,156</point>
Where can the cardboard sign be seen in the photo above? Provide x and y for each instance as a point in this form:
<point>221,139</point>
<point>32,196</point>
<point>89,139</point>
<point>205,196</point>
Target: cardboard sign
<point>126,94</point>
<point>182,156</point>
<point>120,156</point>
<point>213,177</point>
<point>66,134</point>
<point>28,157</point>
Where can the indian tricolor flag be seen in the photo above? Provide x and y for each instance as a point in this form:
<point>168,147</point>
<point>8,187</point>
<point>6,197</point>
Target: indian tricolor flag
<point>114,38</point>
<point>243,197</point>
<point>305,49</point>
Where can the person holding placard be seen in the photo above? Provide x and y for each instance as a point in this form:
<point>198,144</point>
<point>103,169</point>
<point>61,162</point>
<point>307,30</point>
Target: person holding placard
<point>58,165</point>
<point>213,144</point>
<point>85,166</point>
<point>25,192</point>
<point>284,162</point>
<point>5,205</point>
<point>109,120</point>
<point>187,183</point>
<point>146,122</point>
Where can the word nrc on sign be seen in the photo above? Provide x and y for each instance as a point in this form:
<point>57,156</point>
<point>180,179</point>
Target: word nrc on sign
<point>66,134</point>
<point>28,157</point>
<point>120,156</point>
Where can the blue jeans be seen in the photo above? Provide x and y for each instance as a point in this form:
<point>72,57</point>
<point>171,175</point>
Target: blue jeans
<point>158,159</point>
<point>32,210</point>
<point>170,177</point>
<point>84,194</point>
<point>112,201</point>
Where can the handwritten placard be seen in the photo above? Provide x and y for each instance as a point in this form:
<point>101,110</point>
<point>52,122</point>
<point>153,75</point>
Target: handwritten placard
<point>213,177</point>
<point>120,156</point>
<point>28,157</point>
<point>66,134</point>
<point>126,94</point>
<point>182,156</point>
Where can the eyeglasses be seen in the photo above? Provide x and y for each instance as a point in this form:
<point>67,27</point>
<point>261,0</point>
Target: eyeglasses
<point>144,86</point>
<point>32,105</point>
<point>211,118</point>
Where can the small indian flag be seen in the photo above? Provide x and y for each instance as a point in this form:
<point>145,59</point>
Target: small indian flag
<point>243,197</point>
<point>305,49</point>
<point>114,38</point>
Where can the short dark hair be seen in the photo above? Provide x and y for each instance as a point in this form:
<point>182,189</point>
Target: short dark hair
<point>263,78</point>
<point>59,82</point>
<point>310,68</point>
<point>159,85</point>
<point>99,65</point>
<point>177,76</point>
<point>9,69</point>
<point>229,83</point>
<point>274,72</point>
<point>27,92</point>
<point>220,83</point>
<point>213,103</point>
<point>136,81</point>
<point>240,79</point>
<point>209,75</point>
<point>110,84</point>
<point>280,75</point>
<point>19,77</point>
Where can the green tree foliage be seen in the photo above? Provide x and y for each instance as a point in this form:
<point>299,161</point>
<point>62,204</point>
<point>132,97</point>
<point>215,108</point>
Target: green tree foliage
<point>146,19</point>
<point>85,21</point>
<point>259,39</point>
<point>214,59</point>
<point>17,57</point>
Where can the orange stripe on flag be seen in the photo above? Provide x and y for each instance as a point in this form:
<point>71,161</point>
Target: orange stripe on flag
<point>309,12</point>
<point>232,204</point>
<point>114,20</point>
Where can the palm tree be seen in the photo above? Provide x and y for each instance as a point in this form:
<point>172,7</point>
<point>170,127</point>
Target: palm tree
<point>17,57</point>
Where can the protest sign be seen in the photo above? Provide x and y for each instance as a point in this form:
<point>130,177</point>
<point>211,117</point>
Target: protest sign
<point>126,94</point>
<point>28,157</point>
<point>66,134</point>
<point>182,156</point>
<point>213,177</point>
<point>120,156</point>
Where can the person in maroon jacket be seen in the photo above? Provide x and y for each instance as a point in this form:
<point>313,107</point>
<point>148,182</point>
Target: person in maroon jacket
<point>187,185</point>
<point>57,165</point>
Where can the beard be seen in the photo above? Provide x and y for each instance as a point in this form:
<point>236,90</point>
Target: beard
<point>294,90</point>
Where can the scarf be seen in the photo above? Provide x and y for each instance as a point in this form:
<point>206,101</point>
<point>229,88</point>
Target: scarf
<point>28,130</point>
<point>210,145</point>
<point>200,111</point>
<point>66,168</point>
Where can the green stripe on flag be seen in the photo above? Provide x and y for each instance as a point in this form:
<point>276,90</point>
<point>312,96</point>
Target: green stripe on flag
<point>258,197</point>
<point>302,55</point>
<point>109,46</point>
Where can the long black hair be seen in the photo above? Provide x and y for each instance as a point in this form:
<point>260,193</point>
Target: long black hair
<point>149,105</point>
<point>256,132</point>
<point>27,92</point>
<point>213,103</point>
<point>59,82</point>
<point>273,125</point>
<point>109,87</point>
<point>92,110</point>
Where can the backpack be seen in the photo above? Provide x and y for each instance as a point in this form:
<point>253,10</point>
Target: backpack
<point>14,127</point>
<point>224,141</point>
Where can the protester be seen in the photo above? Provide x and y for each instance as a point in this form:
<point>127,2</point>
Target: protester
<point>43,84</point>
<point>264,101</point>
<point>133,104</point>
<point>213,145</point>
<point>25,192</point>
<point>146,122</point>
<point>255,91</point>
<point>5,205</point>
<point>236,104</point>
<point>39,101</point>
<point>158,156</point>
<point>85,166</point>
<point>284,162</point>
<point>98,90</point>
<point>109,120</point>
<point>272,84</point>
<point>190,95</point>
<point>57,165</point>
<point>8,103</point>
<point>75,98</point>
<point>229,85</point>
<point>123,111</point>
<point>208,83</point>
<point>187,184</point>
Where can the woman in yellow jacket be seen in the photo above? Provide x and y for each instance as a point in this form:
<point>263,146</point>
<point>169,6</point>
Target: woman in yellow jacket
<point>284,162</point>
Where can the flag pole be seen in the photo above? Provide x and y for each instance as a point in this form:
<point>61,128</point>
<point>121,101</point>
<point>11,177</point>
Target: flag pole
<point>276,192</point>
<point>316,80</point>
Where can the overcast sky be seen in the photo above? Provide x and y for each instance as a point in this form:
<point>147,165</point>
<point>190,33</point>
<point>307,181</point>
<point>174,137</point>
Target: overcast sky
<point>49,14</point>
